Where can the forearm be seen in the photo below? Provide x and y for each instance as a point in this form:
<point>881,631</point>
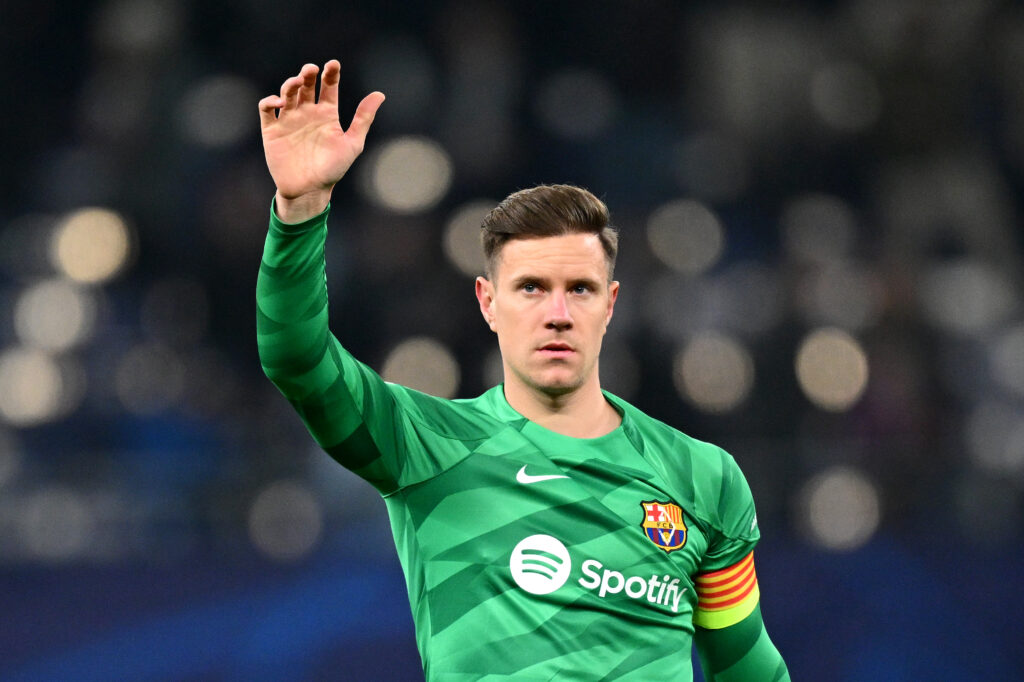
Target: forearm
<point>291,301</point>
<point>344,404</point>
<point>740,653</point>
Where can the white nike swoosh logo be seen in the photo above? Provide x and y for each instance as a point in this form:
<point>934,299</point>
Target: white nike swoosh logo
<point>527,479</point>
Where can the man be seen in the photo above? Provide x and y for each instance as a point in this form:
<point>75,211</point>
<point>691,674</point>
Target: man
<point>547,530</point>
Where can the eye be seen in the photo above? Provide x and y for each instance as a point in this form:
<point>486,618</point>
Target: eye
<point>581,289</point>
<point>529,287</point>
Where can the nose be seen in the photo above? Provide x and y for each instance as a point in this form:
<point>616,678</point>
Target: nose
<point>557,314</point>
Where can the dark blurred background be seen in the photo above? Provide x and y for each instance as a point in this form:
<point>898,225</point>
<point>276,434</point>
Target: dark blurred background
<point>820,208</point>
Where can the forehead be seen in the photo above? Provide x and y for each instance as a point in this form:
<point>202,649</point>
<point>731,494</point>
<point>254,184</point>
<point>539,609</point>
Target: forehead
<point>569,255</point>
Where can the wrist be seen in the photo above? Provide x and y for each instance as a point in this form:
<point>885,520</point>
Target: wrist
<point>301,208</point>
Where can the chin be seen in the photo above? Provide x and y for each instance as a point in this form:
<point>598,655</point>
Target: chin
<point>555,386</point>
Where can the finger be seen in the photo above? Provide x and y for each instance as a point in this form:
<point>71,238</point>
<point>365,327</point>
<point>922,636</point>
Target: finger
<point>290,92</point>
<point>329,82</point>
<point>307,92</point>
<point>268,106</point>
<point>363,117</point>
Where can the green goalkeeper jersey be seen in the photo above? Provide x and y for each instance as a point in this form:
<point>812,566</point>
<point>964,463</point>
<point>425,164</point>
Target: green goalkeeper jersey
<point>528,555</point>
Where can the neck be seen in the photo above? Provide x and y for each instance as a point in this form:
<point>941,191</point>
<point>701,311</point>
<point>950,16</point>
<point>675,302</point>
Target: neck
<point>581,413</point>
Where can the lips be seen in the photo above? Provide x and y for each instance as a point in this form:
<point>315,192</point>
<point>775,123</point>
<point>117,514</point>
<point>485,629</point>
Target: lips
<point>556,349</point>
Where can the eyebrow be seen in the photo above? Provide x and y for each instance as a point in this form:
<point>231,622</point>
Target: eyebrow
<point>544,281</point>
<point>526,279</point>
<point>593,284</point>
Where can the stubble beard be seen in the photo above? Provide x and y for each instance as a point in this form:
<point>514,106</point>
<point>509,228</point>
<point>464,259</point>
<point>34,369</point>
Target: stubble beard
<point>566,381</point>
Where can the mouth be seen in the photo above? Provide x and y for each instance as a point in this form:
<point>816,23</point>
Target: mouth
<point>556,349</point>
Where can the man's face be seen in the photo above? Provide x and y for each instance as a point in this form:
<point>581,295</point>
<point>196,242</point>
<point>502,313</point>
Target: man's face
<point>549,302</point>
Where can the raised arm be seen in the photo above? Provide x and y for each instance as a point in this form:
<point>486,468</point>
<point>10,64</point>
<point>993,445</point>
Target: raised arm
<point>347,408</point>
<point>306,149</point>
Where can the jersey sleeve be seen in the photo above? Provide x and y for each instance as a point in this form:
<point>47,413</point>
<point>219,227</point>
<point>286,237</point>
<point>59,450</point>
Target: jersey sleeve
<point>742,652</point>
<point>368,425</point>
<point>735,532</point>
<point>726,583</point>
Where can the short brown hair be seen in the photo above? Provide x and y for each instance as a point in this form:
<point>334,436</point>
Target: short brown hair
<point>547,211</point>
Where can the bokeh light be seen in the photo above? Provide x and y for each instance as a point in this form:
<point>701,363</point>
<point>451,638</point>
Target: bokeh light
<point>31,387</point>
<point>843,293</point>
<point>1006,359</point>
<point>576,103</point>
<point>995,437</point>
<point>138,27</point>
<point>217,111</point>
<point>406,175</point>
<point>712,166</point>
<point>686,235</point>
<point>91,245</point>
<point>285,521</point>
<point>127,84</point>
<point>462,237</point>
<point>212,385</point>
<point>840,509</point>
<point>755,71</point>
<point>832,369</point>
<point>54,315</point>
<point>681,307</point>
<point>714,372</point>
<point>753,300</point>
<point>846,96</point>
<point>57,524</point>
<point>951,203</point>
<point>818,228</point>
<point>744,298</point>
<point>149,378</point>
<point>423,364</point>
<point>968,296</point>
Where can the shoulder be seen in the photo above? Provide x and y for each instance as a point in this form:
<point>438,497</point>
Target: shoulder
<point>454,418</point>
<point>699,471</point>
<point>659,440</point>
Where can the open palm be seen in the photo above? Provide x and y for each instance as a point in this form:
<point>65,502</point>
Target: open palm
<point>306,149</point>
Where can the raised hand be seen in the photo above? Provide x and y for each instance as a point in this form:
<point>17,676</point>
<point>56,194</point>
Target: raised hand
<point>307,151</point>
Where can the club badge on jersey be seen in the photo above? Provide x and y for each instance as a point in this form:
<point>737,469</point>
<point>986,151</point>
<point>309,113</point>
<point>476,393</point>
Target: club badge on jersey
<point>663,524</point>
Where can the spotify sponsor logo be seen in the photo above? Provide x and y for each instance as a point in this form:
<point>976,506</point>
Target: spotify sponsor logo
<point>540,564</point>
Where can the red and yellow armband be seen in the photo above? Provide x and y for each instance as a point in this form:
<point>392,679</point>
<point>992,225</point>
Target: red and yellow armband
<point>727,596</point>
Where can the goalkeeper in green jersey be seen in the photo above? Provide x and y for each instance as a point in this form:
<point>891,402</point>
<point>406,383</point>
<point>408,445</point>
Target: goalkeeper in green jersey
<point>548,530</point>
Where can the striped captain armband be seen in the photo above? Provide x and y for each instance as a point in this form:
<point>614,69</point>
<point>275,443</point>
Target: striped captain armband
<point>727,596</point>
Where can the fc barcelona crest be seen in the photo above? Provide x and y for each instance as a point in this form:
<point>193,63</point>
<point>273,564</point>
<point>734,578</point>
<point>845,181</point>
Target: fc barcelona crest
<point>663,524</point>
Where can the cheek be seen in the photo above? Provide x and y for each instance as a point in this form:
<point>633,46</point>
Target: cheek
<point>510,316</point>
<point>504,325</point>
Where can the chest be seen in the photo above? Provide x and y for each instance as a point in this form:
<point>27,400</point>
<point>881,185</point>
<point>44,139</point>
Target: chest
<point>597,520</point>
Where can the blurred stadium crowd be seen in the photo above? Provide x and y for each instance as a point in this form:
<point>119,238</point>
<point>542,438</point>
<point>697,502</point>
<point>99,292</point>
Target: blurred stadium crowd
<point>819,202</point>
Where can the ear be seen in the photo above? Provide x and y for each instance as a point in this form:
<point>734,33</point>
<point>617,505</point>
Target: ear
<point>485,296</point>
<point>613,295</point>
